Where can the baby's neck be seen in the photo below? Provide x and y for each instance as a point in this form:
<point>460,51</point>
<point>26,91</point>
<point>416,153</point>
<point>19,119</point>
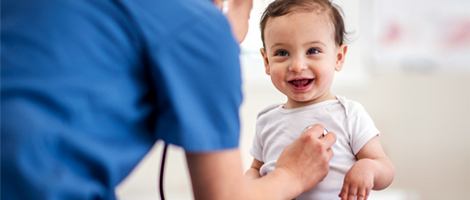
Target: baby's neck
<point>290,104</point>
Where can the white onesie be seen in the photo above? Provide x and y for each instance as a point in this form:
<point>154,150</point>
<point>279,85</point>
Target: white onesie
<point>277,127</point>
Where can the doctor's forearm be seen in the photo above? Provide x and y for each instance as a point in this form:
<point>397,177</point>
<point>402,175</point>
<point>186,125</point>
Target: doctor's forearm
<point>219,175</point>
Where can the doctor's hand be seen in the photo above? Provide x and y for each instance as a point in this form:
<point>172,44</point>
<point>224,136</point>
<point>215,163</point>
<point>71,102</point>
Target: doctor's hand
<point>307,158</point>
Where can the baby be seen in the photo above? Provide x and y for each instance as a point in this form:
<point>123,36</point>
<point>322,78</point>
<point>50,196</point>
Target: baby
<point>303,47</point>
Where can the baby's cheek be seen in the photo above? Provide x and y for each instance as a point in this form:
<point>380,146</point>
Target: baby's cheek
<point>326,77</point>
<point>277,78</point>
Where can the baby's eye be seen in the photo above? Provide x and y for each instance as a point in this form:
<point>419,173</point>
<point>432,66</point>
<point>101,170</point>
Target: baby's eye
<point>281,53</point>
<point>313,51</point>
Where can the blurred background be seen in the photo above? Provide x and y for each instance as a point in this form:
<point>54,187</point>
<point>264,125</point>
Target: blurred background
<point>408,63</point>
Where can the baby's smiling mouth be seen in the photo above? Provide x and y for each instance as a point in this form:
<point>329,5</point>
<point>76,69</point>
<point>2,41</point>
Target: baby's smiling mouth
<point>300,83</point>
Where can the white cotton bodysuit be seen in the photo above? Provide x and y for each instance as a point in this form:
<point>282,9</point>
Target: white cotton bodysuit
<point>277,127</point>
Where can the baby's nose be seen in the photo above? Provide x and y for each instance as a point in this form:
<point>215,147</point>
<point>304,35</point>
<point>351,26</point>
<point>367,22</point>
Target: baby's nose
<point>298,65</point>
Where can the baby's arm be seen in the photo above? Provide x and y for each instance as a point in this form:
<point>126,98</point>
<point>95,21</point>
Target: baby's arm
<point>253,172</point>
<point>373,170</point>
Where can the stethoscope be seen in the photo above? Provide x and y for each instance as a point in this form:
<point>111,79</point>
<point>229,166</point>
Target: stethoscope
<point>162,168</point>
<point>325,131</point>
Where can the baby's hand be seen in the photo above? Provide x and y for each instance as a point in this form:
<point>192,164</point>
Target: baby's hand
<point>359,181</point>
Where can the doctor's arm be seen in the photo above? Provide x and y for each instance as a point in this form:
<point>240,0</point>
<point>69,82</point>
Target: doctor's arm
<point>302,165</point>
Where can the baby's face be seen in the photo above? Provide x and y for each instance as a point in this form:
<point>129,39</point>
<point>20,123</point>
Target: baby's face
<point>301,57</point>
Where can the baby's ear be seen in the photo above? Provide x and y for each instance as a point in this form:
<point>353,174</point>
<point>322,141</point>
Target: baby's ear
<point>266,61</point>
<point>341,56</point>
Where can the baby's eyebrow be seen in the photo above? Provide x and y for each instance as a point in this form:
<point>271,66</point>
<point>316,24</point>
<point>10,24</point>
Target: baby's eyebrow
<point>315,42</point>
<point>276,44</point>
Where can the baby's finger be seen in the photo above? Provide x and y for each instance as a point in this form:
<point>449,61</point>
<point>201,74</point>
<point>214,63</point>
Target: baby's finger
<point>352,192</point>
<point>361,194</point>
<point>367,193</point>
<point>344,192</point>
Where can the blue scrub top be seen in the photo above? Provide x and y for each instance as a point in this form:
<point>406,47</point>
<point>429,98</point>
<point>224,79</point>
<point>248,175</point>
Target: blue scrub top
<point>88,86</point>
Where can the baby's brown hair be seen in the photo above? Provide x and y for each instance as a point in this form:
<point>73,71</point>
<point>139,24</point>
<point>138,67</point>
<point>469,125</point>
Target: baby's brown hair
<point>283,7</point>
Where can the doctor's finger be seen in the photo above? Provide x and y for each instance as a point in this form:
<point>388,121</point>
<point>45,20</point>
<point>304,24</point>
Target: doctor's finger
<point>329,139</point>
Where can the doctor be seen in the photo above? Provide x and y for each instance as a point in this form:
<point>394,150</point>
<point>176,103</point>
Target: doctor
<point>89,86</point>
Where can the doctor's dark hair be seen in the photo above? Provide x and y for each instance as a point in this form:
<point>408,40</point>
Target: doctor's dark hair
<point>283,7</point>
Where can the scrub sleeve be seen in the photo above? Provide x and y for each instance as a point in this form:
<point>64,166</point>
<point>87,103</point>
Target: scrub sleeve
<point>200,98</point>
